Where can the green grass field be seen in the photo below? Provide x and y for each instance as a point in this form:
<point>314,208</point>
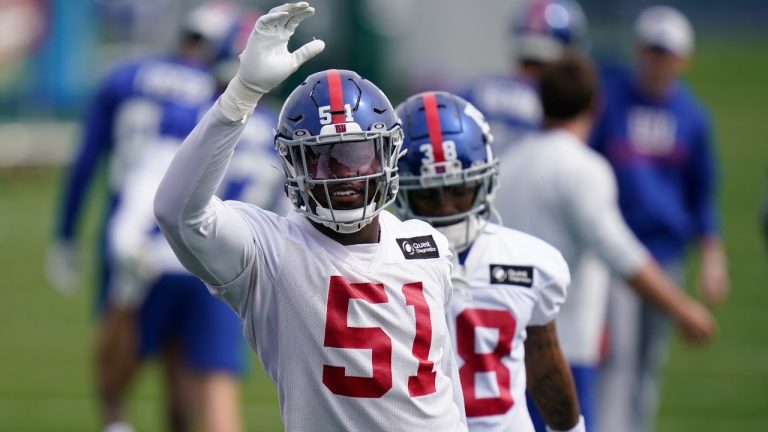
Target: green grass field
<point>45,381</point>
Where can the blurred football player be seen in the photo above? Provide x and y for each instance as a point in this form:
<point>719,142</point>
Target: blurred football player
<point>510,285</point>
<point>343,303</point>
<point>557,188</point>
<point>139,116</point>
<point>658,140</point>
<point>541,31</point>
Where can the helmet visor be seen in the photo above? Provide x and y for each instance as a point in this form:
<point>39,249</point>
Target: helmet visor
<point>343,159</point>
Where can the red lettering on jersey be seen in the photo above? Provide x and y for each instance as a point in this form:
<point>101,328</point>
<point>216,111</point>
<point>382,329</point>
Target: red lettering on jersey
<point>338,334</point>
<point>474,362</point>
<point>423,383</point>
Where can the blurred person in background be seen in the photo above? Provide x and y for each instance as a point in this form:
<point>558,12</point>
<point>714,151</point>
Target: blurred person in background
<point>508,285</point>
<point>557,188</point>
<point>148,304</point>
<point>658,139</point>
<point>541,31</point>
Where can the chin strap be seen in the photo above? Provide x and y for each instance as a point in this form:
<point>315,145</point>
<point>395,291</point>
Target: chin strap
<point>346,221</point>
<point>461,234</point>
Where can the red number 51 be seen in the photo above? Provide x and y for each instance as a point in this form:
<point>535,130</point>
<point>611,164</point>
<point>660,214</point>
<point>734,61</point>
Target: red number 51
<point>339,335</point>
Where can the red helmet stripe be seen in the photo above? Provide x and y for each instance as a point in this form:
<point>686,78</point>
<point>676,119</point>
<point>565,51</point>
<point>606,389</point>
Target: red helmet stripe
<point>336,96</point>
<point>433,126</point>
<point>536,20</point>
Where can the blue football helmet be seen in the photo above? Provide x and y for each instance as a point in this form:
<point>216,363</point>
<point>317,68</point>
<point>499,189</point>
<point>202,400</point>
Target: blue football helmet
<point>339,139</point>
<point>543,29</point>
<point>447,143</point>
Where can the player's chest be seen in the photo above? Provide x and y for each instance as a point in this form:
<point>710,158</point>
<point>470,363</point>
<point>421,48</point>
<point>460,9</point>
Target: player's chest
<point>651,132</point>
<point>379,295</point>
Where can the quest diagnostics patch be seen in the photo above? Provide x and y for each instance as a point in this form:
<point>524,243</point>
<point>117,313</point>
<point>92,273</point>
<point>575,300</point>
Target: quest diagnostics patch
<point>422,247</point>
<point>511,275</point>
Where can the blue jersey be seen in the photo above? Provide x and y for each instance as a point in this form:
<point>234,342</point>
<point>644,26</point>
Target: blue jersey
<point>510,105</point>
<point>662,155</point>
<point>133,106</point>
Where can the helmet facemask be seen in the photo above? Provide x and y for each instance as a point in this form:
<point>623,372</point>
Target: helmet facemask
<point>462,228</point>
<point>356,169</point>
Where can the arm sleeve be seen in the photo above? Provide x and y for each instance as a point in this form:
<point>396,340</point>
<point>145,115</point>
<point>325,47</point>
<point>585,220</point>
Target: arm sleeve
<point>211,239</point>
<point>96,141</point>
<point>591,209</point>
<point>552,280</point>
<point>700,182</point>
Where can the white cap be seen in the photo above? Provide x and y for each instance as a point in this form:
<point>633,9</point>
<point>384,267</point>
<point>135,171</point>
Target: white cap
<point>665,27</point>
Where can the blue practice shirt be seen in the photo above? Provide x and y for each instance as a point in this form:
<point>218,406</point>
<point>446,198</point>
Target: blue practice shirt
<point>661,152</point>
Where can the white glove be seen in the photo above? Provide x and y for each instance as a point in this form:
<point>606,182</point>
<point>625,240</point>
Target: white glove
<point>265,62</point>
<point>130,284</point>
<point>578,428</point>
<point>63,266</point>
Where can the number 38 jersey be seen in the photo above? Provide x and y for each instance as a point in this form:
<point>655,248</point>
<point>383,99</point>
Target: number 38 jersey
<point>354,337</point>
<point>508,281</point>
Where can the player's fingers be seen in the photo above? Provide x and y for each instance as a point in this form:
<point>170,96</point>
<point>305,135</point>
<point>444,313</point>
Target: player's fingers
<point>295,20</point>
<point>289,7</point>
<point>271,20</point>
<point>306,52</point>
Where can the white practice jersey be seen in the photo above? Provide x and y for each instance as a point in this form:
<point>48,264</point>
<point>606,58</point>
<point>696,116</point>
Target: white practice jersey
<point>509,281</point>
<point>558,189</point>
<point>354,337</point>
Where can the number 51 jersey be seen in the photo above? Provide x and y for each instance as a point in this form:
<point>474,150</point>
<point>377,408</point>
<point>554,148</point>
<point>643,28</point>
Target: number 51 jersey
<point>509,280</point>
<point>354,337</point>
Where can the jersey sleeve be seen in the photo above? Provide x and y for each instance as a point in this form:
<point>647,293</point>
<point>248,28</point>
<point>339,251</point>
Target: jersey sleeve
<point>700,180</point>
<point>96,142</point>
<point>211,239</point>
<point>552,278</point>
<point>590,204</point>
<point>445,250</point>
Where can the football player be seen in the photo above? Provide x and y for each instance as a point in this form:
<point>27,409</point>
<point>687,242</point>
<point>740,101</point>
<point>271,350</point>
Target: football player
<point>541,31</point>
<point>343,303</point>
<point>658,138</point>
<point>564,192</point>
<point>509,285</point>
<point>149,304</point>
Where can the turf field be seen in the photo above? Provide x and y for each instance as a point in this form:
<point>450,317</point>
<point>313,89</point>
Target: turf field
<point>45,383</point>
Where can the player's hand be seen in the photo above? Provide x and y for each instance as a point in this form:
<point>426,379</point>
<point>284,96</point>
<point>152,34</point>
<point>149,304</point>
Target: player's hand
<point>63,266</point>
<point>265,62</point>
<point>696,323</point>
<point>713,276</point>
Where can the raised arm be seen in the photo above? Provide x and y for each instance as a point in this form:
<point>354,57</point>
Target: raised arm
<point>209,237</point>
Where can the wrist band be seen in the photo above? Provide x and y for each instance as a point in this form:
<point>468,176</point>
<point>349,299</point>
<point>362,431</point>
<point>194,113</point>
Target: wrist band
<point>579,427</point>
